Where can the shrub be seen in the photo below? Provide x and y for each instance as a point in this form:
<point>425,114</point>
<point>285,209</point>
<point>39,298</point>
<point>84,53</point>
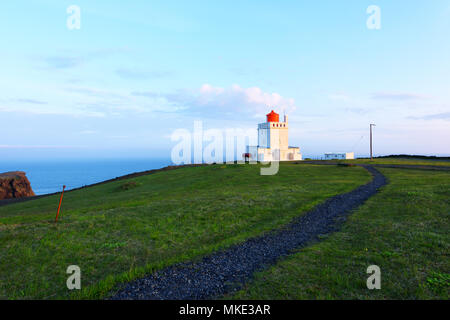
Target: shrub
<point>129,185</point>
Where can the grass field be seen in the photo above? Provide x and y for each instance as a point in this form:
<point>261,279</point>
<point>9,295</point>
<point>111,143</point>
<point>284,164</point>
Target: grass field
<point>118,231</point>
<point>404,229</point>
<point>396,161</point>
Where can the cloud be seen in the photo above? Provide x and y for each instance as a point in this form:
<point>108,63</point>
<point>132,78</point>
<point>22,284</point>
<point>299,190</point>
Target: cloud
<point>87,132</point>
<point>399,96</point>
<point>115,103</point>
<point>339,97</point>
<point>6,146</point>
<point>49,110</point>
<point>147,94</point>
<point>77,102</point>
<point>32,101</point>
<point>437,116</point>
<point>206,101</point>
<point>141,74</point>
<point>63,62</point>
<point>210,100</point>
<point>94,92</point>
<point>245,71</point>
<point>67,61</point>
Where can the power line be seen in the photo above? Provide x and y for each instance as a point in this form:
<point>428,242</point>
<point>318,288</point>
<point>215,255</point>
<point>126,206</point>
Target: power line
<point>357,142</point>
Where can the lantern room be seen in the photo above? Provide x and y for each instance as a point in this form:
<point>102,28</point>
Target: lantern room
<point>273,117</point>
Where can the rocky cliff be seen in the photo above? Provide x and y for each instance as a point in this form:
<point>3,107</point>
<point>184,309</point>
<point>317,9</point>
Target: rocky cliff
<point>14,184</point>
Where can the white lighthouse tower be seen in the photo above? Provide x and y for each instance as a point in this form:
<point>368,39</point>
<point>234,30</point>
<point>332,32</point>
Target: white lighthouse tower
<point>273,141</point>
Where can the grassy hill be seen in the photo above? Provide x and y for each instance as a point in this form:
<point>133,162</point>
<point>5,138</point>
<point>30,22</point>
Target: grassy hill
<point>404,230</point>
<point>394,161</point>
<point>118,231</point>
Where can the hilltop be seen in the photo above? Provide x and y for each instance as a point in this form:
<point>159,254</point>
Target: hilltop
<point>124,229</point>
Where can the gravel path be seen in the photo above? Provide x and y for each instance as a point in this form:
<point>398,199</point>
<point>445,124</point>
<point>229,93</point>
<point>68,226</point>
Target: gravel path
<point>224,271</point>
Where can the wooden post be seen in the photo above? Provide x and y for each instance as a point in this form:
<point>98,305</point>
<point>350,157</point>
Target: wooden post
<point>60,201</point>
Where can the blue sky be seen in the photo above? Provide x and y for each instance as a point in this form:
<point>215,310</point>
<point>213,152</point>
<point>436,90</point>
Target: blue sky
<point>138,70</point>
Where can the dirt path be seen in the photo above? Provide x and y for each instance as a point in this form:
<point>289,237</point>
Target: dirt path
<point>225,271</point>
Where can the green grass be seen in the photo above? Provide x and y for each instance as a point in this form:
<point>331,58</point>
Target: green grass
<point>118,231</point>
<point>404,230</point>
<point>395,161</point>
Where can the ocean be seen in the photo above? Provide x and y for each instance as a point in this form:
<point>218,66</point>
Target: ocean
<point>49,176</point>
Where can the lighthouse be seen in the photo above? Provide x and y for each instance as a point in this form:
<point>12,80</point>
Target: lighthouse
<point>273,141</point>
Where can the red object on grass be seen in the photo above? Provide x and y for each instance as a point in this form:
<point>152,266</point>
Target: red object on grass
<point>273,117</point>
<point>247,156</point>
<point>60,201</point>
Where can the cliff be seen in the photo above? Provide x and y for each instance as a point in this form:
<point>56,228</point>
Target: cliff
<point>14,184</point>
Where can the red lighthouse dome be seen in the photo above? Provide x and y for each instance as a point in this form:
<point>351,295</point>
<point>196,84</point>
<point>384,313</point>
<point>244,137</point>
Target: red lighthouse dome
<point>273,117</point>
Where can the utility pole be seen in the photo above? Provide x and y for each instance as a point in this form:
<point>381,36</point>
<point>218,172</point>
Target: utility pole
<point>371,156</point>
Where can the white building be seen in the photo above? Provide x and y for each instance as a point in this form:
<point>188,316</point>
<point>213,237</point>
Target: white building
<point>273,141</point>
<point>339,155</point>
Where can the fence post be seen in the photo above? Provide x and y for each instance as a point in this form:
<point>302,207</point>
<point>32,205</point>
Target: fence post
<point>60,201</point>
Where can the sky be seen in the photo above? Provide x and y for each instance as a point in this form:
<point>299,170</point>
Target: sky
<point>135,71</point>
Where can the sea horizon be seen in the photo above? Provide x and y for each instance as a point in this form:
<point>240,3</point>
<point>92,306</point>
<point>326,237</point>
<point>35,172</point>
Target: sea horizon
<point>49,176</point>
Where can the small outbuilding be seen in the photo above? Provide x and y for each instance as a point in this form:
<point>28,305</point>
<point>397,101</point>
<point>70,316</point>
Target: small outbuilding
<point>339,155</point>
